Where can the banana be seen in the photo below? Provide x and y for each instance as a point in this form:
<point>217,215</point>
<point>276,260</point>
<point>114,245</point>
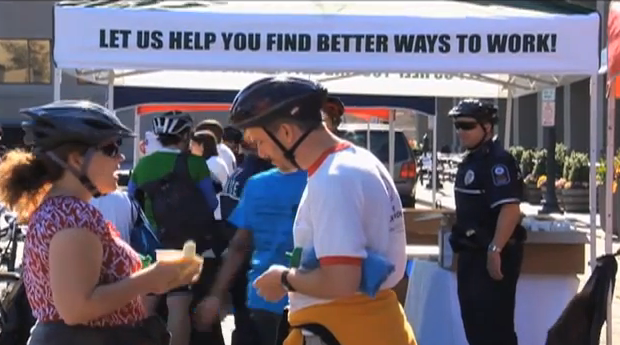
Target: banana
<point>189,249</point>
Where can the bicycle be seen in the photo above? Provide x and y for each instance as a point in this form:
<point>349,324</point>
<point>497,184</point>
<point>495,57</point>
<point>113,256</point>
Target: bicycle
<point>13,232</point>
<point>15,314</point>
<point>16,318</point>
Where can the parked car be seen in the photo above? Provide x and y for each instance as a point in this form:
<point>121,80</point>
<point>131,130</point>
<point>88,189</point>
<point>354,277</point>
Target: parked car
<point>405,168</point>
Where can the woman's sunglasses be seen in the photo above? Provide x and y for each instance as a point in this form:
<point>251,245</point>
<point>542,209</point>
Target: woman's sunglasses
<point>112,149</point>
<point>465,126</point>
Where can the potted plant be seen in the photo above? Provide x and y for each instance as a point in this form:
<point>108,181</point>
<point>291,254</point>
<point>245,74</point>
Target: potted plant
<point>531,192</point>
<point>561,154</point>
<point>517,152</point>
<point>539,177</point>
<point>601,171</point>
<point>575,194</point>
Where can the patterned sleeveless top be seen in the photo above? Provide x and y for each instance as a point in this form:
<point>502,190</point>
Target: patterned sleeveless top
<point>119,260</point>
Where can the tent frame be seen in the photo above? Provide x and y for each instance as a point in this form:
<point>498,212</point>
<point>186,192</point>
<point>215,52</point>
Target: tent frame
<point>534,82</point>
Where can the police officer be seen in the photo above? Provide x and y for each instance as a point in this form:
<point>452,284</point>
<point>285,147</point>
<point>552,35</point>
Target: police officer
<point>487,236</point>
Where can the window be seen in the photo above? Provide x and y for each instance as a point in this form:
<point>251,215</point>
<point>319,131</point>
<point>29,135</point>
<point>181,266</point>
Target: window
<point>25,61</point>
<point>379,144</point>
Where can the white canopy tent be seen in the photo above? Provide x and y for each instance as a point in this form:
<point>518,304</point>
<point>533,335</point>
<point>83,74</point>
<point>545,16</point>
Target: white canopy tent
<point>342,76</point>
<point>517,50</point>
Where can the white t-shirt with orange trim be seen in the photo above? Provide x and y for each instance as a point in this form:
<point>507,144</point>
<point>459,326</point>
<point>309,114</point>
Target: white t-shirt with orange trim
<point>350,204</point>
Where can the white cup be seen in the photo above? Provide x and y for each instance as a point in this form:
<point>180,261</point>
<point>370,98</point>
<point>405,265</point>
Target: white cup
<point>168,254</point>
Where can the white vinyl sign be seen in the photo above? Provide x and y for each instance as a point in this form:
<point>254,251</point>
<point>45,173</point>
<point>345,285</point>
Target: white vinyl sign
<point>109,38</point>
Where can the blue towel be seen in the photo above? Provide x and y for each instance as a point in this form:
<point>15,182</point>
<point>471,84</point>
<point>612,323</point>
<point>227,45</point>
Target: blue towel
<point>375,269</point>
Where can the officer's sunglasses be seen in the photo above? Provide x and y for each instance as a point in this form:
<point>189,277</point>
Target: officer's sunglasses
<point>112,149</point>
<point>465,126</point>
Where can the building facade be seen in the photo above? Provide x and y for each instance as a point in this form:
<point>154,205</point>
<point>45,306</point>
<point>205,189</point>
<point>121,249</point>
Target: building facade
<point>26,73</point>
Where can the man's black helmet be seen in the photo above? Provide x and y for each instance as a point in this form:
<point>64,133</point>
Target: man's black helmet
<point>334,106</point>
<point>61,122</point>
<point>481,111</point>
<point>233,135</point>
<point>273,98</point>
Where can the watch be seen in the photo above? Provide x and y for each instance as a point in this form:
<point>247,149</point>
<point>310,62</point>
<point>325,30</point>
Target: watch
<point>494,248</point>
<point>284,280</point>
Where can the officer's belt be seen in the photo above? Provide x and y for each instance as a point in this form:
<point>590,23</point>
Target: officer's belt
<point>471,240</point>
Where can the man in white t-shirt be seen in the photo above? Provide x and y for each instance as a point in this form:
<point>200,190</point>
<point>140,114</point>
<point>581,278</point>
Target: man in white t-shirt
<point>223,151</point>
<point>350,207</point>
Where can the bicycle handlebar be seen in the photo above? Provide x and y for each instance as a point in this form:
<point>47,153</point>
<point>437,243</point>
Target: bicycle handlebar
<point>9,276</point>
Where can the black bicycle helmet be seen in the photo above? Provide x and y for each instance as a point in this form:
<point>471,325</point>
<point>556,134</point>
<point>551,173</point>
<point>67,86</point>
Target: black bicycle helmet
<point>270,99</point>
<point>233,135</point>
<point>172,123</point>
<point>273,98</point>
<point>81,122</point>
<point>84,122</point>
<point>334,108</point>
<point>482,112</point>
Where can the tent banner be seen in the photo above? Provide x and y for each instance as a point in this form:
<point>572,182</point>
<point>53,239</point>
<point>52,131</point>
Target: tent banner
<point>156,40</point>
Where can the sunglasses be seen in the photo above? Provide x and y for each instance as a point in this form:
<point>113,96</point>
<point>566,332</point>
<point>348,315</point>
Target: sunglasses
<point>465,126</point>
<point>112,149</point>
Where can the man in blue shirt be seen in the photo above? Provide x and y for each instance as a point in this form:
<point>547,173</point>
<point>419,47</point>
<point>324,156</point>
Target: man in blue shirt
<point>229,198</point>
<point>264,220</point>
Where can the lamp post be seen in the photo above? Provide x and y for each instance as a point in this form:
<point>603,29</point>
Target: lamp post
<point>550,202</point>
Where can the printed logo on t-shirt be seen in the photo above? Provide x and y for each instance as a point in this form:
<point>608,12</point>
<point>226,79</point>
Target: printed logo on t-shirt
<point>397,209</point>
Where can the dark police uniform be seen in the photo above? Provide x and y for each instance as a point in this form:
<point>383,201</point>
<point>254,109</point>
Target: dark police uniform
<point>487,178</point>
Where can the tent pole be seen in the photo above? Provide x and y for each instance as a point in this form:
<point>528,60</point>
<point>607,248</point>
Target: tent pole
<point>593,159</point>
<point>434,160</point>
<point>391,139</point>
<point>136,140</point>
<point>508,124</point>
<point>57,83</point>
<point>609,178</point>
<point>368,134</point>
<point>111,90</point>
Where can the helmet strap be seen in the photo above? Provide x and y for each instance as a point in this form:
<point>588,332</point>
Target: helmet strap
<point>484,137</point>
<point>289,153</point>
<point>81,175</point>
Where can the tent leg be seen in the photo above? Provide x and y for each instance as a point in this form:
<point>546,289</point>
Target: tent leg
<point>609,178</point>
<point>434,160</point>
<point>111,90</point>
<point>136,140</point>
<point>392,139</point>
<point>57,83</point>
<point>593,159</point>
<point>368,134</point>
<point>508,123</point>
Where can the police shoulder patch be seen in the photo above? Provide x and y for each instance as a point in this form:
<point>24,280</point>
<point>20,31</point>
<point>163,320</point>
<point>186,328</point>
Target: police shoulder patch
<point>500,175</point>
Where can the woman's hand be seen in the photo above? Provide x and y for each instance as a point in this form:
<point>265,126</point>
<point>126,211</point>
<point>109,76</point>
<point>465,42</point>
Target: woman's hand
<point>167,275</point>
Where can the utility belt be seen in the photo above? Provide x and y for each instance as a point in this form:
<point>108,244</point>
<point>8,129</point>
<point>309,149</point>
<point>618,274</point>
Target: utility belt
<point>472,239</point>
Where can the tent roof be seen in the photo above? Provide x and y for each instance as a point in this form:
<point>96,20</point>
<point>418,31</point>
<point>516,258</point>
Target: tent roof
<point>468,85</point>
<point>439,9</point>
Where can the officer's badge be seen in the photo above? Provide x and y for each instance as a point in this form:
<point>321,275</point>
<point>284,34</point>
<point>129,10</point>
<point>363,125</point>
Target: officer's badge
<point>500,175</point>
<point>469,177</point>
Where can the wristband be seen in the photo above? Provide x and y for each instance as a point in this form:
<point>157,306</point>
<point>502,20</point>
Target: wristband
<point>284,280</point>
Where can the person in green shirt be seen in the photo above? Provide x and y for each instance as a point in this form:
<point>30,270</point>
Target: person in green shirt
<point>173,130</point>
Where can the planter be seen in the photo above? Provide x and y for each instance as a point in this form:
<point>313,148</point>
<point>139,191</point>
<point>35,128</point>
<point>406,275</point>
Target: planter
<point>602,209</point>
<point>532,194</point>
<point>575,200</point>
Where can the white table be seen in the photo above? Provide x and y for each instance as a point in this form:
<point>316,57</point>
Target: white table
<point>432,306</point>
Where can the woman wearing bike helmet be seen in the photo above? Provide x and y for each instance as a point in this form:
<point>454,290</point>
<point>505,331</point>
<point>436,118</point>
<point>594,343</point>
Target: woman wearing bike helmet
<point>83,282</point>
